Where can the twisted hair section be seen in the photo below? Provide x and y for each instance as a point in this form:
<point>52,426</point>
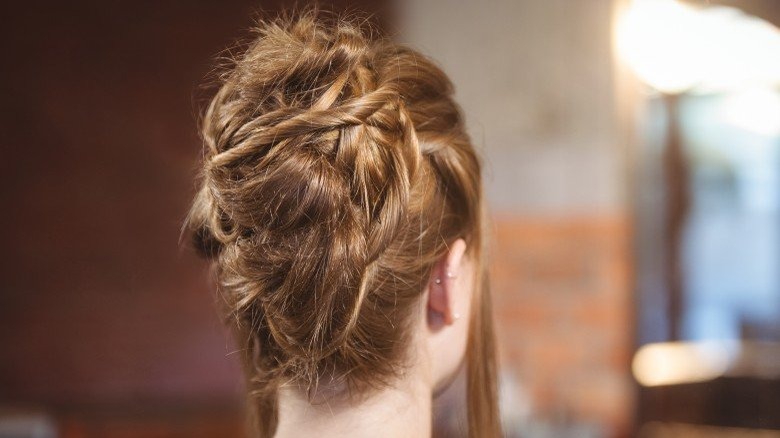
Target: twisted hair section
<point>336,170</point>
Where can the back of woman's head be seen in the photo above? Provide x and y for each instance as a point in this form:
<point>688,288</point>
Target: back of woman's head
<point>336,172</point>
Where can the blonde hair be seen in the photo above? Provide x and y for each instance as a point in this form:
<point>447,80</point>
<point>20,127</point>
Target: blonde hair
<point>336,172</point>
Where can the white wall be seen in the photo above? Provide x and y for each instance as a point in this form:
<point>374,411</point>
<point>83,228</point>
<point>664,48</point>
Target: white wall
<point>535,80</point>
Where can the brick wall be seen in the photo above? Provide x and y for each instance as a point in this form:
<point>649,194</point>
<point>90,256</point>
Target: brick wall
<point>564,317</point>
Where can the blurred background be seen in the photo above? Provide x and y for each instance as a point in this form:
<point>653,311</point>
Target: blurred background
<point>632,153</point>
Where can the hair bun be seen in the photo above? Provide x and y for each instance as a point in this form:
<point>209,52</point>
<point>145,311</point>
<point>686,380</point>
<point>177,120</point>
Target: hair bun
<point>309,164</point>
<point>323,213</point>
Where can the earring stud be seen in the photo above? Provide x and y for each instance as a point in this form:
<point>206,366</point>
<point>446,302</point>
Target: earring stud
<point>437,281</point>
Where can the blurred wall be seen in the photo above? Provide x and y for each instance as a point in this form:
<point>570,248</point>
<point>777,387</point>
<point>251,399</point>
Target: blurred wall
<point>540,92</point>
<point>98,301</point>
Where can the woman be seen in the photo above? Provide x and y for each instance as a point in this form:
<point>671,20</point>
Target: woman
<point>341,205</point>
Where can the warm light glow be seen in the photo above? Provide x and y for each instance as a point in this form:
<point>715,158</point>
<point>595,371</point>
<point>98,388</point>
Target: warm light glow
<point>757,111</point>
<point>670,363</point>
<point>656,40</point>
<point>739,51</point>
<point>674,47</point>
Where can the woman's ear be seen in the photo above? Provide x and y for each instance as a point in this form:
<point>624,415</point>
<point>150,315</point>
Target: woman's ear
<point>448,297</point>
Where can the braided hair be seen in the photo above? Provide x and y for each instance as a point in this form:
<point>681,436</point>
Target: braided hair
<point>336,170</point>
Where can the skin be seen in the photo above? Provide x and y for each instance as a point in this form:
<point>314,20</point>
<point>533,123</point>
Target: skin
<point>404,409</point>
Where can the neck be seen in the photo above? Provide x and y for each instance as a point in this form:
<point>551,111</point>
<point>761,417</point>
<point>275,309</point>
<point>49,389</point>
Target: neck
<point>401,410</point>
